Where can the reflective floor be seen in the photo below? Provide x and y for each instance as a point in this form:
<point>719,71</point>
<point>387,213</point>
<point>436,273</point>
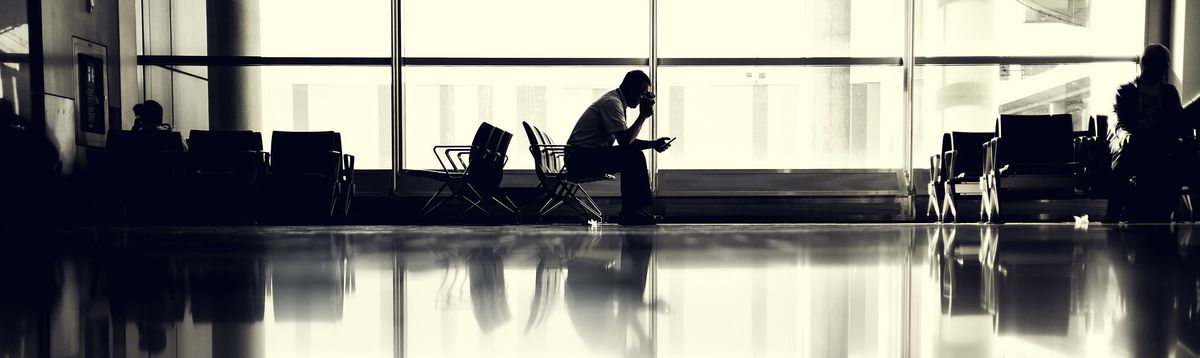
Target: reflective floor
<point>573,291</point>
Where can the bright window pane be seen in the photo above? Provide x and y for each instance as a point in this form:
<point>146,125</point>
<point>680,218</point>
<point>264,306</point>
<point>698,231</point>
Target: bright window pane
<point>525,28</point>
<point>444,105</point>
<point>969,98</point>
<point>781,117</point>
<point>276,27</point>
<point>1030,27</point>
<point>355,101</point>
<point>780,28</point>
<point>326,28</point>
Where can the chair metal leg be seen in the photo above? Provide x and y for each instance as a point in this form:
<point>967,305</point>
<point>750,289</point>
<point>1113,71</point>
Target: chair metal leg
<point>595,208</point>
<point>1188,213</point>
<point>432,198</point>
<point>996,216</point>
<point>474,203</point>
<point>556,202</point>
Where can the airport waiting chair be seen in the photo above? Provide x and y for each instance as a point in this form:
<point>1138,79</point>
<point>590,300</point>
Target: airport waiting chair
<point>963,161</point>
<point>142,168</point>
<point>1092,152</point>
<point>309,175</point>
<point>224,170</point>
<point>558,185</point>
<point>471,173</point>
<point>1032,156</point>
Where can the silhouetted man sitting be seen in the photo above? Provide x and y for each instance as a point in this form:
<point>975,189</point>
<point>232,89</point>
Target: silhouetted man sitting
<point>149,117</point>
<point>591,151</point>
<point>1144,142</point>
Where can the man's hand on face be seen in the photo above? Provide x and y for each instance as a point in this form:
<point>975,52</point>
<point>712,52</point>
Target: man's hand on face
<point>662,144</point>
<point>646,105</point>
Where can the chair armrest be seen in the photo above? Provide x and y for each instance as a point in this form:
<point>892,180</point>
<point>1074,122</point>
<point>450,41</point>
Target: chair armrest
<point>949,164</point>
<point>348,168</point>
<point>445,154</point>
<point>935,168</point>
<point>990,156</point>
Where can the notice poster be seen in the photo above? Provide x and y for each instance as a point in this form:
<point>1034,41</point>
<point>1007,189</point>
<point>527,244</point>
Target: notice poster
<point>91,94</point>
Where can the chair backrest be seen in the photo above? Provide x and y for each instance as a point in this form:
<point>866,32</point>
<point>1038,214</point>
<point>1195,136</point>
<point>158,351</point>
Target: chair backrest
<point>488,157</point>
<point>543,162</point>
<point>969,146</point>
<point>1037,139</point>
<point>306,152</point>
<point>144,141</point>
<point>224,141</point>
<point>1098,126</point>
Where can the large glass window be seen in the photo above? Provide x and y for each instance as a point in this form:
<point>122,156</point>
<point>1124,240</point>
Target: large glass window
<point>979,59</point>
<point>312,28</point>
<point>14,61</point>
<point>969,98</point>
<point>354,101</point>
<point>757,84</point>
<point>525,28</point>
<point>444,105</point>
<point>780,28</point>
<point>1029,27</point>
<point>781,117</point>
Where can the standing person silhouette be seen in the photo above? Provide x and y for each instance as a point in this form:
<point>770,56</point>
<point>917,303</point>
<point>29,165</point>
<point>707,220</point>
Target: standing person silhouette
<point>1144,141</point>
<point>591,149</point>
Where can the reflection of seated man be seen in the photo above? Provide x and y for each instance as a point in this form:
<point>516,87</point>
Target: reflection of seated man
<point>605,300</point>
<point>591,150</point>
<point>1147,129</point>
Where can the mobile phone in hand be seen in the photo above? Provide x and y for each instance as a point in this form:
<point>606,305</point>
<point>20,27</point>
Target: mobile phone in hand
<point>671,140</point>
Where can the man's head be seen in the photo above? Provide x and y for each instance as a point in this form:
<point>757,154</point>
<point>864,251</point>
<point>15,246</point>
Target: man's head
<point>152,113</point>
<point>634,86</point>
<point>1155,62</point>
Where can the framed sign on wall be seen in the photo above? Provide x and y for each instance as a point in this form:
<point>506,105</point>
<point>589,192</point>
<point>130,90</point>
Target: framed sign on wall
<point>91,87</point>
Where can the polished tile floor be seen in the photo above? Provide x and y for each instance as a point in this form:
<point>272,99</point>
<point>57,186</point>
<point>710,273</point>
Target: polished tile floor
<point>575,291</point>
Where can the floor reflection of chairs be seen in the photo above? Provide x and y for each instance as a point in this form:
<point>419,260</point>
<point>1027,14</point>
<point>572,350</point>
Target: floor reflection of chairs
<point>311,285</point>
<point>1030,284</point>
<point>961,272</point>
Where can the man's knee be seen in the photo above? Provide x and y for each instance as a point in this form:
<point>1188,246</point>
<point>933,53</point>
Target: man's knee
<point>633,157</point>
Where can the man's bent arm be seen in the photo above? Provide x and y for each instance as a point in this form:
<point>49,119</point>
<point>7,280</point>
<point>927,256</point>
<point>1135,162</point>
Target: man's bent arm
<point>629,136</point>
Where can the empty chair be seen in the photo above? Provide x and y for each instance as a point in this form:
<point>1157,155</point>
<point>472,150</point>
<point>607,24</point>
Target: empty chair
<point>223,172</point>
<point>963,161</point>
<point>143,168</point>
<point>309,175</point>
<point>557,184</point>
<point>1091,150</point>
<point>471,173</point>
<point>1032,156</point>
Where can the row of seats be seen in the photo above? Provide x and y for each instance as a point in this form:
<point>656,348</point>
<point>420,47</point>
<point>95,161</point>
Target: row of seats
<point>472,174</point>
<point>1026,157</point>
<point>227,174</point>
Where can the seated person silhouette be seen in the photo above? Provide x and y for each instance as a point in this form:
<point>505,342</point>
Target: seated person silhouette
<point>1144,140</point>
<point>31,163</point>
<point>591,149</point>
<point>149,117</point>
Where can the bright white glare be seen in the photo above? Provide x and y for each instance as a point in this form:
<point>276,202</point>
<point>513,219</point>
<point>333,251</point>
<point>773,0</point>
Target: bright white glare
<point>363,330</point>
<point>326,28</point>
<point>525,28</point>
<point>351,100</point>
